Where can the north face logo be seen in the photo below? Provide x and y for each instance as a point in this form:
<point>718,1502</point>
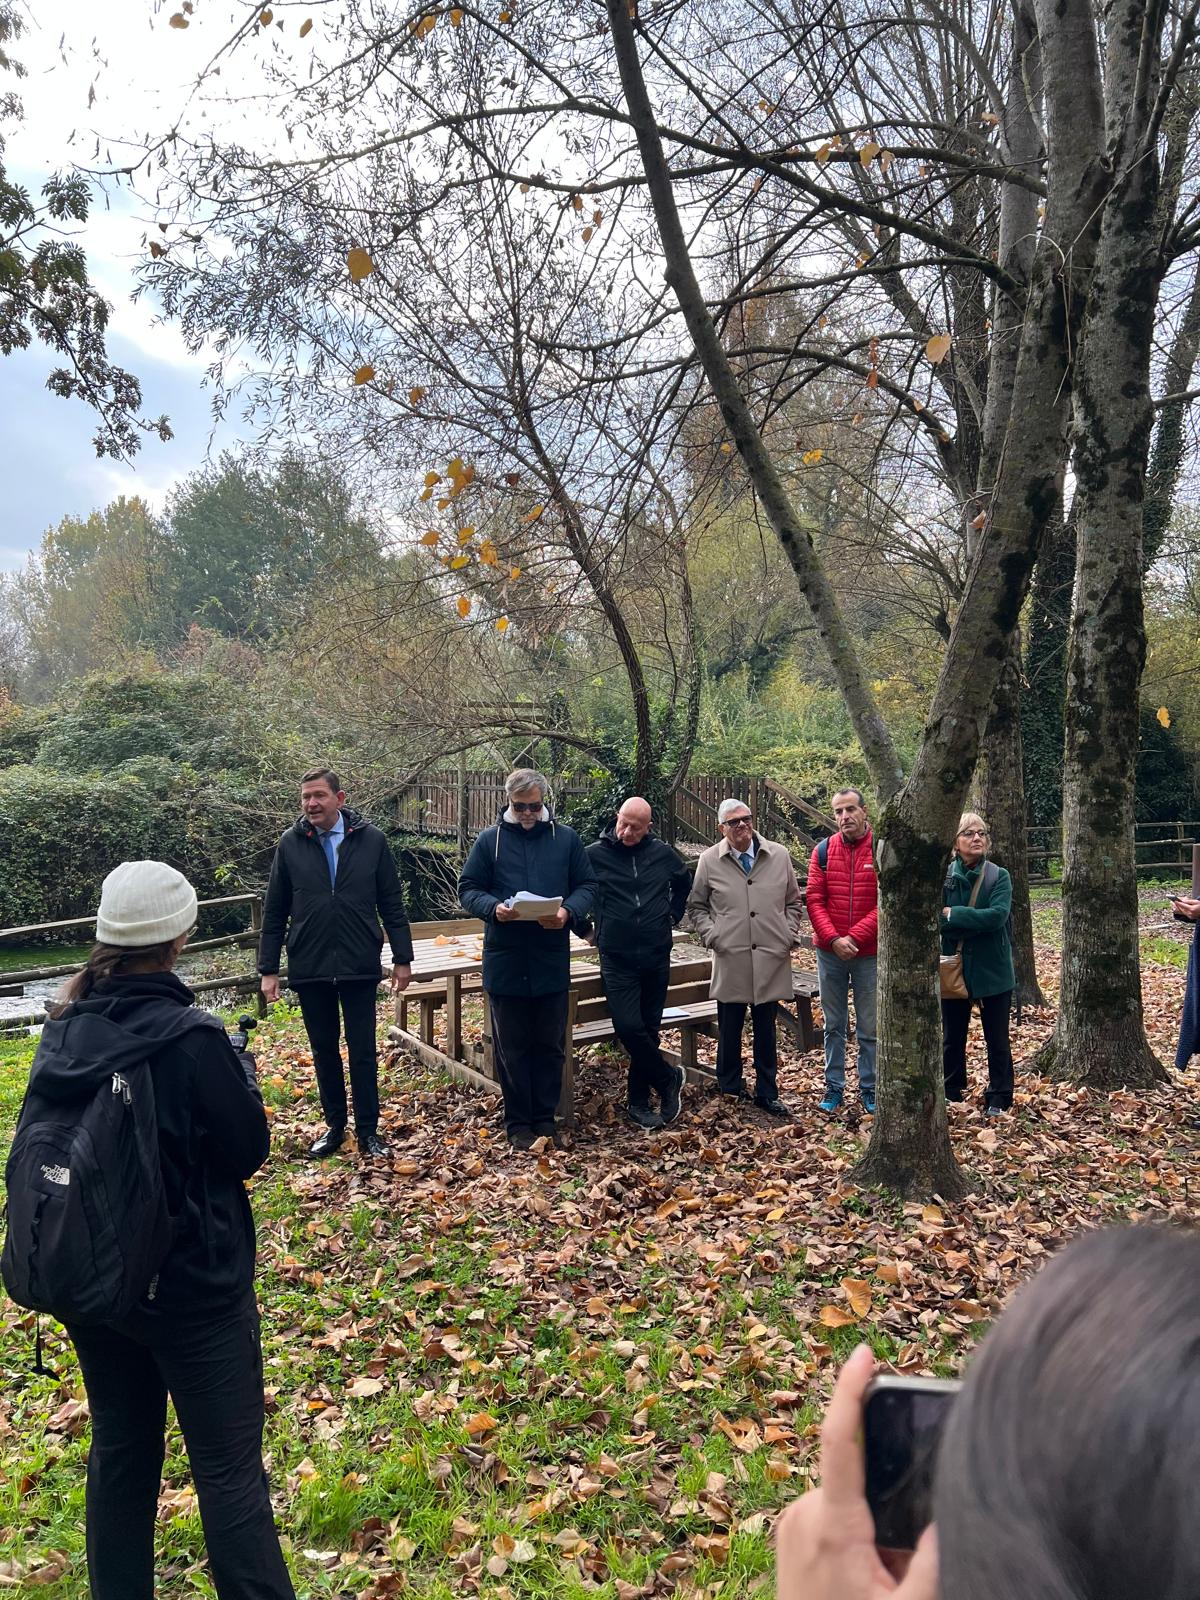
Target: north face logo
<point>57,1175</point>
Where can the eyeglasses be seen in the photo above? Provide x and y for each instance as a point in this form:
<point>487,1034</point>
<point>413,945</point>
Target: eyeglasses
<point>973,833</point>
<point>526,805</point>
<point>736,822</point>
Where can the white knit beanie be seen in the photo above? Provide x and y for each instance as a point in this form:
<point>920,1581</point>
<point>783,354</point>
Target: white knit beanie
<point>144,903</point>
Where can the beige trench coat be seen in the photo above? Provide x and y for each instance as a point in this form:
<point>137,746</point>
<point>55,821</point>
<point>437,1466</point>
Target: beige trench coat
<point>751,924</point>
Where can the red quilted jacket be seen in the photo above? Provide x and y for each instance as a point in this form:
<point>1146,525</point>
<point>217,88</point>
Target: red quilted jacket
<point>844,898</point>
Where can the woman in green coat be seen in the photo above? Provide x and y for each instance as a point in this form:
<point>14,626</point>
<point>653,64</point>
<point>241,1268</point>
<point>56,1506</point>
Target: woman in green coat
<point>982,930</point>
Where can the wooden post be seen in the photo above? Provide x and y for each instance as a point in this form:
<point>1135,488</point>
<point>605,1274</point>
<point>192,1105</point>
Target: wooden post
<point>463,820</point>
<point>566,1100</point>
<point>256,922</point>
<point>454,1016</point>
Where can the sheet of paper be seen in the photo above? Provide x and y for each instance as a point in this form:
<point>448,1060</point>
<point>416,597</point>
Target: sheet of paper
<point>675,1013</point>
<point>530,907</point>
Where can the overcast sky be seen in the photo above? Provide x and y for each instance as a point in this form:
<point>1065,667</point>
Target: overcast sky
<point>141,70</point>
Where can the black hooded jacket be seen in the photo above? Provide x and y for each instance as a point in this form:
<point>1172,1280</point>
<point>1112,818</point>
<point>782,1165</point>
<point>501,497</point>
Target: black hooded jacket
<point>333,929</point>
<point>212,1129</point>
<point>642,892</point>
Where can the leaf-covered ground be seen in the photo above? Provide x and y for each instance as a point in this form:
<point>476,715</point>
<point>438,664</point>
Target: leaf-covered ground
<point>597,1370</point>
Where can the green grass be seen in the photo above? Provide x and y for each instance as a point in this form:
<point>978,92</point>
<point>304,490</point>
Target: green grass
<point>599,1371</point>
<point>20,957</point>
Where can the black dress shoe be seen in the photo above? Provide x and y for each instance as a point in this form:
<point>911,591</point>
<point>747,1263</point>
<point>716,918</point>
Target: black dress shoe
<point>373,1145</point>
<point>775,1106</point>
<point>521,1138</point>
<point>740,1097</point>
<point>329,1142</point>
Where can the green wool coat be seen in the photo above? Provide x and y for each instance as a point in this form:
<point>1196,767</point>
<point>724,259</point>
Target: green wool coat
<point>983,929</point>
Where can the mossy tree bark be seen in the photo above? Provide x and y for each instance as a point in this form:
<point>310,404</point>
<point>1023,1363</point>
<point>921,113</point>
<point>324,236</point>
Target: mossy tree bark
<point>1100,1037</point>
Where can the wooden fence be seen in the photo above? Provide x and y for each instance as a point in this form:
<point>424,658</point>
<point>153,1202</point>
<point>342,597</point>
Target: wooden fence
<point>13,982</point>
<point>1162,848</point>
<point>459,804</point>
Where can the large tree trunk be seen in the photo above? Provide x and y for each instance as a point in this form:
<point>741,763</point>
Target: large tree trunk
<point>1001,785</point>
<point>1100,1038</point>
<point>910,1150</point>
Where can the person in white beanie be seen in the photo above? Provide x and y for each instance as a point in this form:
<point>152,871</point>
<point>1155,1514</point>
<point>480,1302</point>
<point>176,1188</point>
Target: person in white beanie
<point>194,1336</point>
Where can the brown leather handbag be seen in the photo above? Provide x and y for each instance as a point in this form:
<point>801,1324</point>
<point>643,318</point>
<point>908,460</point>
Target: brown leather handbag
<point>950,968</point>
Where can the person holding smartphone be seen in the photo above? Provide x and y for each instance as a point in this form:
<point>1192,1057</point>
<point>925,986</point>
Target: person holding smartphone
<point>1069,1464</point>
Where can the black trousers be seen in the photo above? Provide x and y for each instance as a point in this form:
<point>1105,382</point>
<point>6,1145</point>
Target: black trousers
<point>956,1019</point>
<point>528,1040</point>
<point>731,1017</point>
<point>212,1369</point>
<point>319,1005</point>
<point>636,996</point>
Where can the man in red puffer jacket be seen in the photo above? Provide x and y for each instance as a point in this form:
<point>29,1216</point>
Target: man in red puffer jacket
<point>843,907</point>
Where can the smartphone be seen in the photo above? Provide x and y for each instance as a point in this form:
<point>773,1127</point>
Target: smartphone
<point>902,1427</point>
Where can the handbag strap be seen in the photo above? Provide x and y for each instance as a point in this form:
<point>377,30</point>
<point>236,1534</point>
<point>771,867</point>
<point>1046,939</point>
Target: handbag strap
<point>971,903</point>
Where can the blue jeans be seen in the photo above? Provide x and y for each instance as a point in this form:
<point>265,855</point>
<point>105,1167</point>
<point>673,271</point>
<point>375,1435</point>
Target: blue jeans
<point>837,978</point>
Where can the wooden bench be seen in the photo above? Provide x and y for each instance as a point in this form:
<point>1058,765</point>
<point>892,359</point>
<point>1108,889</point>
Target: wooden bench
<point>589,1021</point>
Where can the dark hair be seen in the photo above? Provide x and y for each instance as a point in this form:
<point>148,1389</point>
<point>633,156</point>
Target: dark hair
<point>111,961</point>
<point>323,775</point>
<point>850,789</point>
<point>1070,1468</point>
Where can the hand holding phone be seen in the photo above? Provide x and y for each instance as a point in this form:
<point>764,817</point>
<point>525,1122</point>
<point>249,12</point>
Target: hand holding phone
<point>825,1541</point>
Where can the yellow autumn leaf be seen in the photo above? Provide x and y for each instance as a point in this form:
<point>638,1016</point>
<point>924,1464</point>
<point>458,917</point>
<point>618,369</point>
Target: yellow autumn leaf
<point>465,535</point>
<point>938,348</point>
<point>464,605</point>
<point>487,553</point>
<point>858,1292</point>
<point>532,516</point>
<point>431,478</point>
<point>886,158</point>
<point>835,1317</point>
<point>587,234</point>
<point>364,374</point>
<point>514,572</point>
<point>868,152</point>
<point>416,395</point>
<point>178,21</point>
<point>456,17</point>
<point>727,448</point>
<point>506,16</point>
<point>425,493</point>
<point>1164,716</point>
<point>306,28</point>
<point>265,17</point>
<point>360,265</point>
<point>423,25</point>
<point>501,624</point>
<point>577,202</point>
<point>811,457</point>
<point>430,538</point>
<point>455,467</point>
<point>823,154</point>
<point>458,563</point>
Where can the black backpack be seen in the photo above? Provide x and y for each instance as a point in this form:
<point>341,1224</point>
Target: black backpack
<point>88,1225</point>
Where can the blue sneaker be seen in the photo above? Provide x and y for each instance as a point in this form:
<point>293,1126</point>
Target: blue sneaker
<point>868,1101</point>
<point>832,1101</point>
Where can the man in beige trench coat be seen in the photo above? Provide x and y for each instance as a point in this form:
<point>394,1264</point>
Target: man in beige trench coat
<point>745,906</point>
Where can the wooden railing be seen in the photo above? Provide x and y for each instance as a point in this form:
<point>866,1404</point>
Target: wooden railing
<point>11,982</point>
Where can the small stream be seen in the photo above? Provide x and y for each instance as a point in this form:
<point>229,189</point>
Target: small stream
<point>34,995</point>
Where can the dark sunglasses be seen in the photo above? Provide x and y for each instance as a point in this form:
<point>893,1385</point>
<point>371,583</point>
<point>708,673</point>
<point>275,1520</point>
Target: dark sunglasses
<point>526,805</point>
<point>736,822</point>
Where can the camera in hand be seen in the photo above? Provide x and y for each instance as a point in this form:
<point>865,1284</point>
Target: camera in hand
<point>239,1037</point>
<point>902,1428</point>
